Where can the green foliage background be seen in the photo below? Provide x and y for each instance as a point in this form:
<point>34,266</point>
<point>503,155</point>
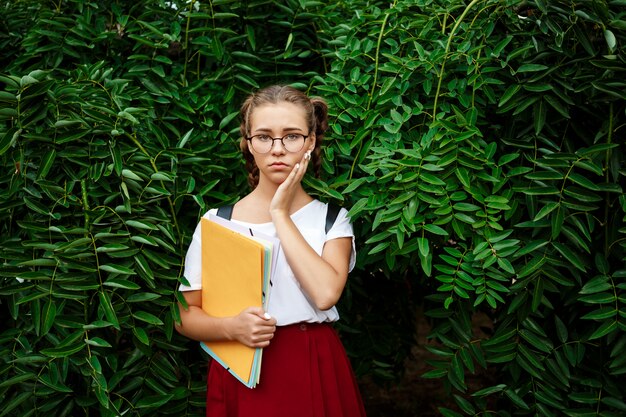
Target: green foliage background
<point>478,145</point>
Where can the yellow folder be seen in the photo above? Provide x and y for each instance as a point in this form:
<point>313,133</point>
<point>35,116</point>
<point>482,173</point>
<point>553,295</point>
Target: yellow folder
<point>232,280</point>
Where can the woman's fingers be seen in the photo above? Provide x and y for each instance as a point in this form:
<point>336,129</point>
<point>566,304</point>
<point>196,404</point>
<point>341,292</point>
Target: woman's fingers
<point>297,173</point>
<point>258,329</point>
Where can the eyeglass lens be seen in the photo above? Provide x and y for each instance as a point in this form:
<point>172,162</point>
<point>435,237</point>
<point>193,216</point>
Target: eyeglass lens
<point>291,142</point>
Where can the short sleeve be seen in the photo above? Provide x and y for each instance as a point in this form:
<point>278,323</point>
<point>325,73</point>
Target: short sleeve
<point>193,260</point>
<point>343,228</point>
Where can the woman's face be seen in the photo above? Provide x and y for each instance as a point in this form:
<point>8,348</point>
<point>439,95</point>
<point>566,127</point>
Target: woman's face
<point>276,121</point>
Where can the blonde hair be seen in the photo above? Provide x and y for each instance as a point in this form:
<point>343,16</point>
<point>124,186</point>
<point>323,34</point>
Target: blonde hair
<point>316,111</point>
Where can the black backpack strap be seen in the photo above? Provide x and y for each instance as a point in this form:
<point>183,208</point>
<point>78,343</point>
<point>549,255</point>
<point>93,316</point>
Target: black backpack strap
<point>332,211</point>
<point>225,212</point>
<point>331,215</point>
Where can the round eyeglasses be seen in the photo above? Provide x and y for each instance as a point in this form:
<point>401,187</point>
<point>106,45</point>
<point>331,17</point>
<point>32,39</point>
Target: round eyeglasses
<point>292,142</point>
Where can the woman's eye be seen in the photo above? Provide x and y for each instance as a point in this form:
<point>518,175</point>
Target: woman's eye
<point>292,136</point>
<point>264,138</point>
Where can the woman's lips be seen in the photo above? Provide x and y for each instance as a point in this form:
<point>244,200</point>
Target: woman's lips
<point>278,165</point>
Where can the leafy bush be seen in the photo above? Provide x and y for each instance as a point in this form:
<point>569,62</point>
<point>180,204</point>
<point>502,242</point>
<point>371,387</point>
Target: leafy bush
<point>479,148</point>
<point>117,136</point>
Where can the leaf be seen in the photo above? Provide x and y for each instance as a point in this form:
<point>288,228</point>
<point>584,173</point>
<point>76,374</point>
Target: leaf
<point>49,314</point>
<point>598,298</point>
<point>17,379</point>
<point>105,303</point>
<point>489,390</point>
<point>154,401</point>
<point>516,399</point>
<point>506,265</point>
<point>531,266</point>
<point>561,329</point>
<point>98,342</point>
<point>568,254</point>
<point>431,179</point>
<point>597,284</point>
<point>464,405</point>
<point>127,173</point>
<point>434,229</point>
<point>584,397</point>
<point>117,269</point>
<point>610,39</point>
<point>584,182</point>
<point>141,335</point>
<point>557,105</point>
<point>64,351</point>
<point>121,283</point>
<point>532,246</point>
<point>539,116</point>
<point>530,361</point>
<point>537,294</point>
<point>446,412</point>
<point>536,341</point>
<point>606,328</point>
<point>614,403</point>
<point>46,164</point>
<point>226,120</point>
<point>9,406</point>
<point>545,210</point>
<point>598,148</point>
<point>531,68</point>
<point>426,262</point>
<point>9,138</point>
<point>601,313</point>
<point>463,176</point>
<point>144,240</point>
<point>162,176</point>
<point>147,317</point>
<point>547,190</point>
<point>422,245</point>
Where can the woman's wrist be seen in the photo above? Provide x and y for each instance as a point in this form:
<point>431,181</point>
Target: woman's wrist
<point>227,327</point>
<point>279,214</point>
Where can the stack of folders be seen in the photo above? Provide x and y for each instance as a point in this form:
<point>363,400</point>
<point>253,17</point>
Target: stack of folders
<point>237,267</point>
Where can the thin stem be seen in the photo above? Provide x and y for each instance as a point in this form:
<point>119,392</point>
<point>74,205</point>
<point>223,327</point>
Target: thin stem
<point>607,163</point>
<point>187,42</point>
<point>376,61</point>
<point>156,170</point>
<point>445,56</point>
<point>83,189</point>
<point>380,38</point>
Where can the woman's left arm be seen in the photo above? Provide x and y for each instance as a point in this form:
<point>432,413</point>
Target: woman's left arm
<point>324,277</point>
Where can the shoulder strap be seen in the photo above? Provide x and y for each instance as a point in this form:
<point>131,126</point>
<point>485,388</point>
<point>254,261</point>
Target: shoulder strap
<point>332,211</point>
<point>331,215</point>
<point>225,212</point>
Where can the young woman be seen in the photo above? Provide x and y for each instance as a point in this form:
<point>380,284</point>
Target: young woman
<point>305,370</point>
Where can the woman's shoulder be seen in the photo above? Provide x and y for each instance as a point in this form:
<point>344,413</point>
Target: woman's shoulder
<point>324,207</point>
<point>211,211</point>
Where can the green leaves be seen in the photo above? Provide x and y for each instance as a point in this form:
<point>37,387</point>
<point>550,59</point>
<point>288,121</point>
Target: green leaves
<point>108,164</point>
<point>503,214</point>
<point>480,162</point>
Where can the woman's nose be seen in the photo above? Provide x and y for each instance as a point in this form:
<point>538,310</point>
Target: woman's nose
<point>277,147</point>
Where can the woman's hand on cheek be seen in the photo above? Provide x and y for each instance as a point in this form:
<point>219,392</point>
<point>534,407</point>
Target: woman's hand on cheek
<point>281,202</point>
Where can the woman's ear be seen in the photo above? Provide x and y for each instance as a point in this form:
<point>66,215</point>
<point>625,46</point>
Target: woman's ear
<point>312,144</point>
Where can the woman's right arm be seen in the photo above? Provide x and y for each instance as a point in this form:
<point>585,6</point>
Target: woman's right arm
<point>250,327</point>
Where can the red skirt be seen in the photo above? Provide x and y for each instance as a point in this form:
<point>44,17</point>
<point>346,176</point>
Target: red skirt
<point>305,372</point>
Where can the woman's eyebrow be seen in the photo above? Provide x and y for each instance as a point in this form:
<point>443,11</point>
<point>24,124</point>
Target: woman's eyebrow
<point>285,129</point>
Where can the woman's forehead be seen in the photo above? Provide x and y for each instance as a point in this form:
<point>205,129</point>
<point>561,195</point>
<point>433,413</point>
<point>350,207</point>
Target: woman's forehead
<point>282,115</point>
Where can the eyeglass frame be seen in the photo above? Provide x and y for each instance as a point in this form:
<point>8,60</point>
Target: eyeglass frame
<point>249,139</point>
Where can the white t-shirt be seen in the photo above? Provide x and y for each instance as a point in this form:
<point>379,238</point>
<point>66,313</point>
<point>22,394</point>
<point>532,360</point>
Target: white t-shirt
<point>287,303</point>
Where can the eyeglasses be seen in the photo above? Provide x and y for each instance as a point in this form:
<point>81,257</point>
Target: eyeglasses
<point>292,142</point>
